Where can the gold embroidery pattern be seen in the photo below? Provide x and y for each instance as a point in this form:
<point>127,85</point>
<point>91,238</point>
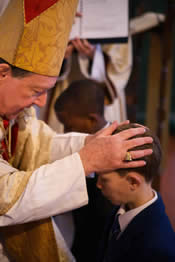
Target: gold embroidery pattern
<point>29,241</point>
<point>7,138</point>
<point>44,40</point>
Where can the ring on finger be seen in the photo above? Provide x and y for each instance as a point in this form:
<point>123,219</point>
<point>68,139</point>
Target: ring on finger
<point>128,157</point>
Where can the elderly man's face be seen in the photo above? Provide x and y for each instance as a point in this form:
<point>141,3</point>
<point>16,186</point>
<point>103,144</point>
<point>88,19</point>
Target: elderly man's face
<point>19,93</point>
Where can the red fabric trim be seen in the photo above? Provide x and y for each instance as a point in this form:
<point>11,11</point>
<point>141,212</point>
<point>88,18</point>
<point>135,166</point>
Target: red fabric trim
<point>34,8</point>
<point>14,137</point>
<point>5,152</point>
<point>13,142</point>
<point>3,144</point>
<point>5,123</point>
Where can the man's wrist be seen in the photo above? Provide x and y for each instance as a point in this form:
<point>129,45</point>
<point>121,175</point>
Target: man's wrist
<point>87,165</point>
<point>88,139</point>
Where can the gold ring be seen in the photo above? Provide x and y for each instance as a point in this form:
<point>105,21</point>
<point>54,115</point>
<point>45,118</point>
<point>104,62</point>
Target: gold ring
<point>128,157</point>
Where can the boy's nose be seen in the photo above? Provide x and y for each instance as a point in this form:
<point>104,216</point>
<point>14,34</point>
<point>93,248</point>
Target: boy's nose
<point>98,184</point>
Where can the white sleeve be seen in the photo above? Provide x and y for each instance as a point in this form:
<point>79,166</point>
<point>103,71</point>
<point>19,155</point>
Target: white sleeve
<point>52,189</point>
<point>65,144</point>
<point>98,71</point>
<point>145,22</point>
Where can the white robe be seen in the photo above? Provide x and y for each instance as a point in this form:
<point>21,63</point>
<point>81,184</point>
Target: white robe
<point>53,188</point>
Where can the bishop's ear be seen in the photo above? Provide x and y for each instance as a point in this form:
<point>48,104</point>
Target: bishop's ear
<point>134,180</point>
<point>5,70</point>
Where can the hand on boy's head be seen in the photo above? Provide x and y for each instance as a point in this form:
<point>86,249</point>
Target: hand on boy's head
<point>103,152</point>
<point>102,132</point>
<point>126,122</point>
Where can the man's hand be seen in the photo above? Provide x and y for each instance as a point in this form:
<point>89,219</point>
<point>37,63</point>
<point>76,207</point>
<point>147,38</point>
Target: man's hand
<point>106,131</point>
<point>69,50</point>
<point>84,47</point>
<point>103,152</point>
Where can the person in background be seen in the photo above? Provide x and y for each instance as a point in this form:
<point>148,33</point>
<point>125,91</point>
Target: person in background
<point>107,63</point>
<point>138,228</point>
<point>104,63</point>
<point>80,108</point>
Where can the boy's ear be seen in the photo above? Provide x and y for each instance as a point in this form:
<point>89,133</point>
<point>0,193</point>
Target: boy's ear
<point>134,180</point>
<point>93,116</point>
<point>5,70</point>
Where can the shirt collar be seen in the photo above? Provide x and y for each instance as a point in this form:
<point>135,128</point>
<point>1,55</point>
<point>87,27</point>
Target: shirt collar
<point>126,216</point>
<point>106,125</point>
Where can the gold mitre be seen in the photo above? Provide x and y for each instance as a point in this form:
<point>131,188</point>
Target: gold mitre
<point>34,34</point>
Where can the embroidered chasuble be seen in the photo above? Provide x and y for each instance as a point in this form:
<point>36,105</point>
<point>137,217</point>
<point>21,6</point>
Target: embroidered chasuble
<point>8,144</point>
<point>33,241</point>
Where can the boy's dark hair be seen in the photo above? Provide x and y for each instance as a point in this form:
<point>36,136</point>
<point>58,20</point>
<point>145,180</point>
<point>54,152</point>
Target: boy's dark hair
<point>152,167</point>
<point>87,94</point>
<point>16,71</point>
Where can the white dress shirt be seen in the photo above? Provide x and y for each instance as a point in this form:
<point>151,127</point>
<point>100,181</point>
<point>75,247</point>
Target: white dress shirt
<point>125,217</point>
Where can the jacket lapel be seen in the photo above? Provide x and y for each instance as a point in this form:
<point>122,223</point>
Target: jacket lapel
<point>136,227</point>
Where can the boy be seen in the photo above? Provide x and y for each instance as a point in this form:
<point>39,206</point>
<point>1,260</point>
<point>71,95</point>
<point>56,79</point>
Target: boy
<point>80,108</point>
<point>138,229</point>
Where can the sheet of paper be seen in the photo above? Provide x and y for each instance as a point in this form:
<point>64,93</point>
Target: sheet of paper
<point>104,18</point>
<point>101,19</point>
<point>75,32</point>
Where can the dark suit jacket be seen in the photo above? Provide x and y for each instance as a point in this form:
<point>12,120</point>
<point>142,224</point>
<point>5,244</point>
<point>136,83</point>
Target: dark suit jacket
<point>90,221</point>
<point>149,237</point>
